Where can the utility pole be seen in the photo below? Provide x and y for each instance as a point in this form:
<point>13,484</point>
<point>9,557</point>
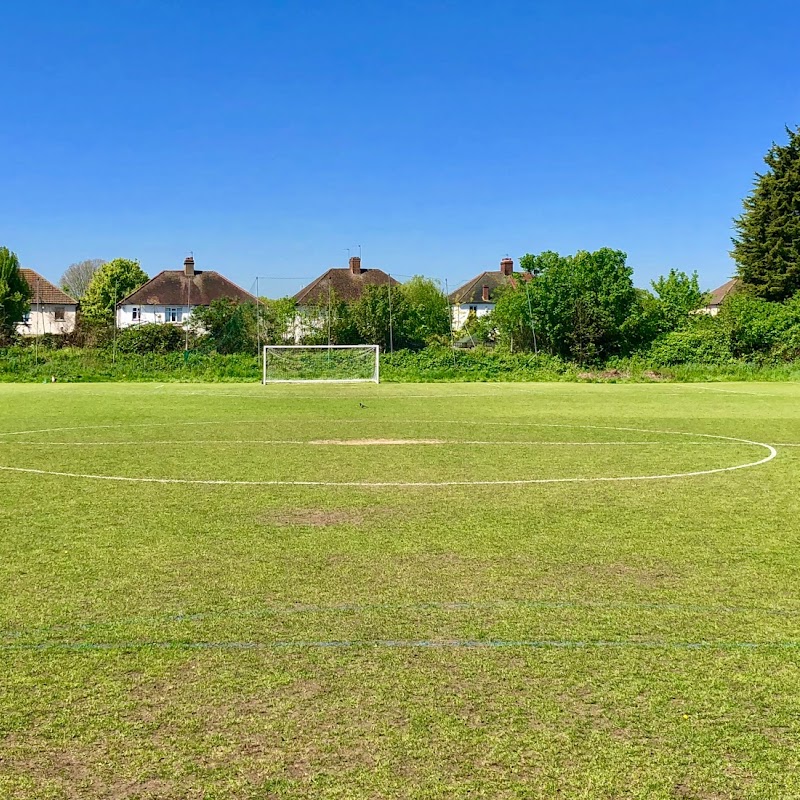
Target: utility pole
<point>114,337</point>
<point>391,332</point>
<point>329,314</point>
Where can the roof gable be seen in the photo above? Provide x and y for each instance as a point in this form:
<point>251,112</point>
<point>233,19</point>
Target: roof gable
<point>42,291</point>
<point>472,291</point>
<point>721,292</point>
<point>173,287</point>
<point>344,284</point>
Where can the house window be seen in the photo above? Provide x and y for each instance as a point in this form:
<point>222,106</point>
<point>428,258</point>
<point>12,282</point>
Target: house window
<point>58,312</point>
<point>136,314</point>
<point>26,318</point>
<point>172,314</point>
<point>473,309</point>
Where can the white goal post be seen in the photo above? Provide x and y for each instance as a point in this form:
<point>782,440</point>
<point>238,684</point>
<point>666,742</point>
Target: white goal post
<point>321,363</point>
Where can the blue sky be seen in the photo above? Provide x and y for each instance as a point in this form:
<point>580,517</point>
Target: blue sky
<point>268,137</point>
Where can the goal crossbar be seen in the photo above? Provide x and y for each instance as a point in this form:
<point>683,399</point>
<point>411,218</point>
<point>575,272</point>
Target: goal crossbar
<point>321,363</point>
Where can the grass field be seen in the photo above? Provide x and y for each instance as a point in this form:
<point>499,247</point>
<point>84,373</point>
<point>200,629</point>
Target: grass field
<point>273,592</point>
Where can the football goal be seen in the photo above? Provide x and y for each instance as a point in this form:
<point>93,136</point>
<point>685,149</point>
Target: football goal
<point>335,363</point>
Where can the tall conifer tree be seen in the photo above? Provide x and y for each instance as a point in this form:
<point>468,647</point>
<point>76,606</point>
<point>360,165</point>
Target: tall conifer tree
<point>767,247</point>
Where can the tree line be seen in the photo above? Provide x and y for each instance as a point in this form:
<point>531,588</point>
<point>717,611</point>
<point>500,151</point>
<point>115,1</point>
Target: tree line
<point>581,307</point>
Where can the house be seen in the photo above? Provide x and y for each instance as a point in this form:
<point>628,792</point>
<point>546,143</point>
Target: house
<point>347,283</point>
<point>344,284</point>
<point>52,310</point>
<point>718,295</point>
<point>171,296</point>
<point>479,295</point>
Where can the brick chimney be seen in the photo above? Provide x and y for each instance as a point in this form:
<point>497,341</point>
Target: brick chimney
<point>485,295</point>
<point>355,265</point>
<point>188,267</point>
<point>507,266</point>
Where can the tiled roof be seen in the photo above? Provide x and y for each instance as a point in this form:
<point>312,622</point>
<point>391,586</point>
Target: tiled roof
<point>721,292</point>
<point>173,287</point>
<point>472,291</point>
<point>344,284</point>
<point>42,291</point>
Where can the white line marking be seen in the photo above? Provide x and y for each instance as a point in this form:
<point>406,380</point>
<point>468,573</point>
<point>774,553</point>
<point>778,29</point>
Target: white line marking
<point>331,443</point>
<point>772,453</point>
<point>122,425</point>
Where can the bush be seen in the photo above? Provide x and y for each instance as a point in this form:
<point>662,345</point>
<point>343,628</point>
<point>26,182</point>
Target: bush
<point>705,342</point>
<point>150,338</point>
<point>753,326</point>
<point>479,364</point>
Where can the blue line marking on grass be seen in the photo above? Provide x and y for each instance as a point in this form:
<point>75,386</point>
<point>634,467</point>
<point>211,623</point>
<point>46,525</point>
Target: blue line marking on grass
<point>565,644</point>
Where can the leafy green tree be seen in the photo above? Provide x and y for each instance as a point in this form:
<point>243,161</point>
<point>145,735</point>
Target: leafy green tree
<point>754,326</point>
<point>679,295</point>
<point>110,283</point>
<point>429,310</point>
<point>14,294</point>
<point>276,318</point>
<point>382,316</point>
<point>767,245</point>
<point>226,326</point>
<point>329,321</point>
<point>578,304</point>
<point>517,317</point>
<point>644,324</point>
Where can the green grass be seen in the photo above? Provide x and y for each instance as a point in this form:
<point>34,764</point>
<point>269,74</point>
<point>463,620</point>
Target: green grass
<point>634,639</point>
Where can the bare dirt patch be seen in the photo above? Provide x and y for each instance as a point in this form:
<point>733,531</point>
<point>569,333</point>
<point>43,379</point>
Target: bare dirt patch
<point>313,517</point>
<point>605,375</point>
<point>643,576</point>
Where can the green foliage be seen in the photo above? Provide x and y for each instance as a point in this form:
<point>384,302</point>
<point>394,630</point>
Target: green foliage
<point>78,365</point>
<point>383,316</point>
<point>478,330</point>
<point>14,294</point>
<point>767,245</point>
<point>330,321</point>
<point>757,327</point>
<point>393,317</point>
<point>226,326</point>
<point>516,308</point>
<point>110,283</point>
<point>428,310</point>
<point>151,338</point>
<point>477,364</point>
<point>703,343</point>
<point>578,304</point>
<point>679,295</point>
<point>276,318</point>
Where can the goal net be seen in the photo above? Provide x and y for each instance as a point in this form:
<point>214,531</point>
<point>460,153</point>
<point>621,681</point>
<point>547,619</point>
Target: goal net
<point>356,363</point>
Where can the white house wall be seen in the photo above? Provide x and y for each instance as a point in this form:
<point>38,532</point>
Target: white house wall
<point>460,313</point>
<point>43,320</point>
<point>150,315</point>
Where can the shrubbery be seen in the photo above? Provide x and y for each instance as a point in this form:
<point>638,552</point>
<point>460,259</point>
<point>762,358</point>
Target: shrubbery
<point>152,338</point>
<point>702,343</point>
